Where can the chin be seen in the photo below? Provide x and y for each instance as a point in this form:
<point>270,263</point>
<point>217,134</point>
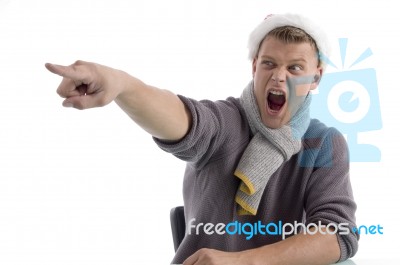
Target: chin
<point>272,123</point>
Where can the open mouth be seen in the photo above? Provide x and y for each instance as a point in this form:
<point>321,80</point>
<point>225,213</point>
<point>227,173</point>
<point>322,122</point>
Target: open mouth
<point>276,99</point>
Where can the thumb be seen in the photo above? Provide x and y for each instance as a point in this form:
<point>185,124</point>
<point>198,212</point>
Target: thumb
<point>86,101</point>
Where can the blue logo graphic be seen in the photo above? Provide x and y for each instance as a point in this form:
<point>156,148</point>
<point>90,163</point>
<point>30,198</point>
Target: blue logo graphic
<point>349,101</point>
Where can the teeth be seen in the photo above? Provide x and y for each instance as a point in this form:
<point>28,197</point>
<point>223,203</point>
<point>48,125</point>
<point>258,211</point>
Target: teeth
<point>274,92</point>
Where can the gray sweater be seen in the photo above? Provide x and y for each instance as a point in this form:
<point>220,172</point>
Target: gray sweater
<point>312,187</point>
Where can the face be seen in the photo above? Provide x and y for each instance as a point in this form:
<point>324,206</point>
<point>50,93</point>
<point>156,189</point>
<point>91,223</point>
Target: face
<point>276,69</point>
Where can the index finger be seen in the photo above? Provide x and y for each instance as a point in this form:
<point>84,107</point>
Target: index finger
<point>65,71</point>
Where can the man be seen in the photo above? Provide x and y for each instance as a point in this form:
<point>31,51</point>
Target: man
<point>264,183</point>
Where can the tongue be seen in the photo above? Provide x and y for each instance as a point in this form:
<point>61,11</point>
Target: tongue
<point>276,102</point>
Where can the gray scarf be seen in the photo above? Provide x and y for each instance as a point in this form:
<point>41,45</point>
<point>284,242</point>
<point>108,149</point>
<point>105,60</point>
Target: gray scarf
<point>267,150</point>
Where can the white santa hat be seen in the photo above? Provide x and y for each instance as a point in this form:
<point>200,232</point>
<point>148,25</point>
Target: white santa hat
<point>278,20</point>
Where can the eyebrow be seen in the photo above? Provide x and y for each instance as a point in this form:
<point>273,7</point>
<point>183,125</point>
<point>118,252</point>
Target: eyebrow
<point>292,61</point>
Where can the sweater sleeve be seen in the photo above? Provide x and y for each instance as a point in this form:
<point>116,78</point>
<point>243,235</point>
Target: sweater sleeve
<point>216,127</point>
<point>329,197</point>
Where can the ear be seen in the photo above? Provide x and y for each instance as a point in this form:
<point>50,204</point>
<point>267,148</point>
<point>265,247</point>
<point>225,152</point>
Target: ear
<point>254,66</point>
<point>317,78</point>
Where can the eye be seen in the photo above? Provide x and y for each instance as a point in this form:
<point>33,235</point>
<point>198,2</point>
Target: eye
<point>296,67</point>
<point>267,63</point>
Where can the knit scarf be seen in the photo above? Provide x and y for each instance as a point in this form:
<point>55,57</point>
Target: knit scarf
<point>267,150</point>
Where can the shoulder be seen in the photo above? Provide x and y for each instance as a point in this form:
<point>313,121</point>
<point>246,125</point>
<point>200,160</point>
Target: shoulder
<point>323,145</point>
<point>317,130</point>
<point>232,108</point>
<point>223,112</point>
<point>218,128</point>
<point>230,104</point>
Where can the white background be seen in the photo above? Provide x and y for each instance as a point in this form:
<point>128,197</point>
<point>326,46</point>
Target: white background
<point>89,187</point>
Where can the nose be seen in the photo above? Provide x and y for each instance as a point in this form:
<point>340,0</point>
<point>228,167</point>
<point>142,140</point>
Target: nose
<point>278,76</point>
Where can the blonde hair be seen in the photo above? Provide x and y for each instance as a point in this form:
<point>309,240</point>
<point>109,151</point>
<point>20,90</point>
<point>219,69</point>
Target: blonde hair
<point>290,34</point>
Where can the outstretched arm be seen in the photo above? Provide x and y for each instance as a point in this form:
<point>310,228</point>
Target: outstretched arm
<point>87,85</point>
